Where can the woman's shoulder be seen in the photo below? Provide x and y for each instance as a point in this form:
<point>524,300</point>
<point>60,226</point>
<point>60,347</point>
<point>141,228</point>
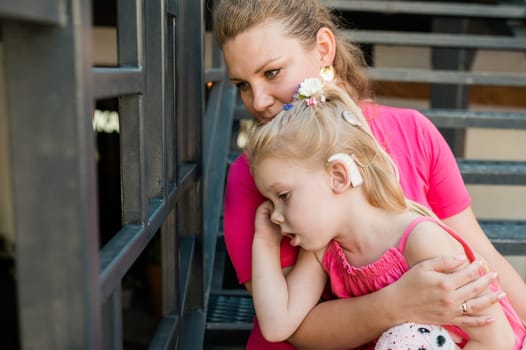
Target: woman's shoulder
<point>240,167</point>
<point>382,114</point>
<point>240,178</point>
<point>387,121</point>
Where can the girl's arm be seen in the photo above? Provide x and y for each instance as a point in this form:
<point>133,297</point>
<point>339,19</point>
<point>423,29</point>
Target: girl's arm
<point>348,323</point>
<point>466,224</point>
<point>426,241</point>
<point>281,302</point>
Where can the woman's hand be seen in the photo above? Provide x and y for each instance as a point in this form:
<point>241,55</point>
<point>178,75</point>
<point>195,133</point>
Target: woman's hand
<point>434,290</point>
<point>264,228</point>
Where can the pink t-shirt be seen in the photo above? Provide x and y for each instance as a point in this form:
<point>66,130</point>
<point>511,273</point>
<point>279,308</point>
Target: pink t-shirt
<point>428,174</point>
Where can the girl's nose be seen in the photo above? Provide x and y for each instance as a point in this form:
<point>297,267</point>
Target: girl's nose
<point>276,217</point>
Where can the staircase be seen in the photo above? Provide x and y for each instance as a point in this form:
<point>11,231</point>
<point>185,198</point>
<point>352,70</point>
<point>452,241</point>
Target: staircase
<point>454,31</point>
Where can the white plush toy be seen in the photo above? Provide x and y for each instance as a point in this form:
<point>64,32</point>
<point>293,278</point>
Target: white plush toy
<point>413,336</point>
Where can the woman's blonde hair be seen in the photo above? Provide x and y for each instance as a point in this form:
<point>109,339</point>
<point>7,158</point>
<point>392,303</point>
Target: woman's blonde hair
<point>314,133</point>
<point>302,20</point>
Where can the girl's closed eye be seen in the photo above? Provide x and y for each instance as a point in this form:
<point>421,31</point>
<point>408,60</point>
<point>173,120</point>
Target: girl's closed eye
<point>284,195</point>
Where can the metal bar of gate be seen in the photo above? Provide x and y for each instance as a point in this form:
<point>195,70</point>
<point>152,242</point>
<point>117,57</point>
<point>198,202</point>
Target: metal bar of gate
<point>43,11</point>
<point>51,87</point>
<point>52,154</point>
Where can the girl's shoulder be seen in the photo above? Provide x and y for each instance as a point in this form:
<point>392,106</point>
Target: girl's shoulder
<point>428,238</point>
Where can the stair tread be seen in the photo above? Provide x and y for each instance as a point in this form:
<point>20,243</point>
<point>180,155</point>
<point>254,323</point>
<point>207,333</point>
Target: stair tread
<point>493,172</point>
<point>461,9</point>
<point>456,77</point>
<point>471,41</point>
<point>454,118</point>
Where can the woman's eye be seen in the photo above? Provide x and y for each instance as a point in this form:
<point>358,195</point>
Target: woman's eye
<point>242,85</point>
<point>272,73</point>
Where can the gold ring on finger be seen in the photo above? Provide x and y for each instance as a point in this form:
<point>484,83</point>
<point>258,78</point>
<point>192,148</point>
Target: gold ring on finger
<point>464,308</point>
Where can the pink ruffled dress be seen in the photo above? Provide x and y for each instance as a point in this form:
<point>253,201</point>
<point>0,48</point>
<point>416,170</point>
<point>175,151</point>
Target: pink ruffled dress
<point>348,281</point>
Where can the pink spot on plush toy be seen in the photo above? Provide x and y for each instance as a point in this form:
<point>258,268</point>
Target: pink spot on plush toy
<point>413,336</point>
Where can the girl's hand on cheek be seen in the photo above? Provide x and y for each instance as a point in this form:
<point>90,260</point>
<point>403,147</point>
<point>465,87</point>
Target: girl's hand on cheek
<point>433,291</point>
<point>265,228</point>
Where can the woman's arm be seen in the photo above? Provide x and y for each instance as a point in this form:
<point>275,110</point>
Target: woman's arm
<point>281,302</point>
<point>467,226</point>
<point>348,323</point>
<point>427,240</point>
<point>449,199</point>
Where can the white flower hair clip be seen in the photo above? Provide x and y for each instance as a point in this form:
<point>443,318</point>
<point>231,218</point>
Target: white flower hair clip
<point>309,87</point>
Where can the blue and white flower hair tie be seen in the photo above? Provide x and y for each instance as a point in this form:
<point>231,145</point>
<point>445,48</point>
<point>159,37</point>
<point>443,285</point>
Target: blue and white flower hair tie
<point>309,87</point>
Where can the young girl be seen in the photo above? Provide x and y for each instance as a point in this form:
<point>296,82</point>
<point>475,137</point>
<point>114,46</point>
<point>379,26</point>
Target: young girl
<point>270,46</point>
<point>334,192</point>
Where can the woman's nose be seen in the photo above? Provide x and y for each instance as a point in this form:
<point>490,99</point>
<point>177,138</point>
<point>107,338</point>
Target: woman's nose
<point>262,100</point>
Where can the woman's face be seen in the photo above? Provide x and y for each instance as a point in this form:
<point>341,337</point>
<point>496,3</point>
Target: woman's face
<point>266,66</point>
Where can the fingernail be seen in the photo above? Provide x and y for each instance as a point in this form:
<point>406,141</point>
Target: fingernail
<point>461,257</point>
<point>478,263</point>
<point>501,295</point>
<point>494,275</point>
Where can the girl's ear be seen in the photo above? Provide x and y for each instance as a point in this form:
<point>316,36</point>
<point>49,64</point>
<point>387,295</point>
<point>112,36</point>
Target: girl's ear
<point>343,172</point>
<point>326,45</point>
<point>339,176</point>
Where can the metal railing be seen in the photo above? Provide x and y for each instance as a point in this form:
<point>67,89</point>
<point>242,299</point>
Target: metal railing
<point>69,288</point>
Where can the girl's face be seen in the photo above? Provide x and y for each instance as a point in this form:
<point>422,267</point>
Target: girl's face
<point>266,66</point>
<point>305,206</point>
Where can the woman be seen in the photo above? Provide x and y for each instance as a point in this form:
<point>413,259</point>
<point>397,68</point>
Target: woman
<point>269,47</point>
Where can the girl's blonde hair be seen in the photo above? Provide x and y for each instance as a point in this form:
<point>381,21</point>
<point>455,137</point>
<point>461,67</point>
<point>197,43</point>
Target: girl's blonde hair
<point>314,133</point>
<point>302,20</point>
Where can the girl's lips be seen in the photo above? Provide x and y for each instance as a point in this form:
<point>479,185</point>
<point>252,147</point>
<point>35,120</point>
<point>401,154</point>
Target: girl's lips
<point>293,239</point>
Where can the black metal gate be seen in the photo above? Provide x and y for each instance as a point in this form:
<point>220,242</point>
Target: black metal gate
<point>171,160</point>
